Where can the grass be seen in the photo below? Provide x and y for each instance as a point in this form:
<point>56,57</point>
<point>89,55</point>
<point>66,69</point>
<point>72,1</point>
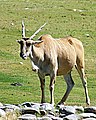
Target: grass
<point>64,17</point>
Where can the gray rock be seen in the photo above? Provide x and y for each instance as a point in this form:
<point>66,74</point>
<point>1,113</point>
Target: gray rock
<point>26,104</point>
<point>90,110</point>
<point>53,117</point>
<point>2,113</point>
<point>3,107</point>
<point>62,115</point>
<point>72,117</point>
<point>56,118</point>
<point>43,112</point>
<point>32,105</point>
<point>67,110</point>
<point>16,84</point>
<point>13,107</point>
<point>39,118</point>
<point>51,113</point>
<point>1,104</point>
<point>27,117</point>
<point>60,106</point>
<point>47,107</point>
<point>29,110</point>
<point>44,118</point>
<point>87,115</point>
<point>89,119</point>
<point>36,106</point>
<point>79,108</point>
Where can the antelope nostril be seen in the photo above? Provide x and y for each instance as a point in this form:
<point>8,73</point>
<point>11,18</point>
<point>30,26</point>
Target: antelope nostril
<point>22,55</point>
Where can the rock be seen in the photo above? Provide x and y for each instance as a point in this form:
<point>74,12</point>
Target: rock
<point>31,104</point>
<point>43,112</point>
<point>62,115</point>
<point>21,63</point>
<point>16,84</point>
<point>79,108</point>
<point>36,106</point>
<point>72,117</point>
<point>81,10</point>
<point>1,104</point>
<point>3,107</point>
<point>60,106</point>
<point>47,107</point>
<point>27,117</point>
<point>56,118</point>
<point>87,115</point>
<point>87,35</point>
<point>52,117</point>
<point>13,107</point>
<point>89,119</point>
<point>44,118</point>
<point>67,110</point>
<point>29,110</point>
<point>39,118</point>
<point>46,111</point>
<point>51,113</point>
<point>2,113</point>
<point>90,110</point>
<point>26,104</point>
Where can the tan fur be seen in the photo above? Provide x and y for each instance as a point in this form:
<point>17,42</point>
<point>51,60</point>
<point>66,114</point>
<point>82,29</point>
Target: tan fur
<point>65,52</point>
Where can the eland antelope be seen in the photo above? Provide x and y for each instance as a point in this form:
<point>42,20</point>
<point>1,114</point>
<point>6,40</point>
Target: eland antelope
<point>54,57</point>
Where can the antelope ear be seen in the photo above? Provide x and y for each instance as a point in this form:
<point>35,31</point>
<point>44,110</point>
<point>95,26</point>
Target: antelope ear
<point>18,41</point>
<point>36,42</point>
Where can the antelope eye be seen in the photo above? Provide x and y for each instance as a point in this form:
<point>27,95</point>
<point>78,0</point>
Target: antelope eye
<point>28,44</point>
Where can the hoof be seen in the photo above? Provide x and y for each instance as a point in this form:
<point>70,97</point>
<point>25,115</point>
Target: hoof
<point>88,102</point>
<point>59,105</point>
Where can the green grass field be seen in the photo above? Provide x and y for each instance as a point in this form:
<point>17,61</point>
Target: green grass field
<point>64,17</point>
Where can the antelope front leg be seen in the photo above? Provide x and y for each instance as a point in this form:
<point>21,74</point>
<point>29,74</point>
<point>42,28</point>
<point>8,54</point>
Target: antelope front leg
<point>42,81</point>
<point>51,87</point>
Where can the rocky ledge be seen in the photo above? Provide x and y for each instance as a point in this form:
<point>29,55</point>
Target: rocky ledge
<point>45,111</point>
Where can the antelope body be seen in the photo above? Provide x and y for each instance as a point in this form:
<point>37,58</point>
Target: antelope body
<point>54,57</point>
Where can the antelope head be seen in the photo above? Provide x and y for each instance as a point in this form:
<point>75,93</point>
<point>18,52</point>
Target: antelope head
<point>26,43</point>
